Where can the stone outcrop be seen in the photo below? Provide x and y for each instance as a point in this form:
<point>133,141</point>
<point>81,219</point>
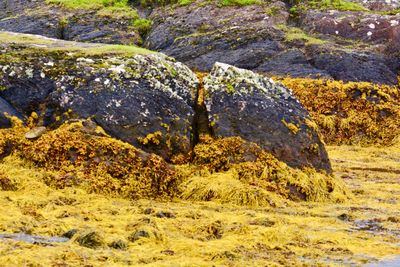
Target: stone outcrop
<point>150,100</point>
<point>36,17</point>
<point>275,38</point>
<point>242,103</point>
<point>144,99</point>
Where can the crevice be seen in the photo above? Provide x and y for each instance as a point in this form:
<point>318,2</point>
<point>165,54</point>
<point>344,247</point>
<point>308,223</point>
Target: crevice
<point>201,124</point>
<point>62,25</point>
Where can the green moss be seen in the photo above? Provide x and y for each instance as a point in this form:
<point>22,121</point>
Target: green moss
<point>296,34</point>
<point>143,26</point>
<point>238,2</point>
<point>108,8</point>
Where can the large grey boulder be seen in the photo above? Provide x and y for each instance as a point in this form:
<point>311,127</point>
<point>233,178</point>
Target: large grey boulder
<point>242,103</point>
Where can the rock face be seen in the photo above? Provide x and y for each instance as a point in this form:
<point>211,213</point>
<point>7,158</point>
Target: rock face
<point>149,100</point>
<point>242,103</point>
<point>262,38</point>
<point>9,110</point>
<point>36,17</point>
<point>146,100</point>
<point>266,37</point>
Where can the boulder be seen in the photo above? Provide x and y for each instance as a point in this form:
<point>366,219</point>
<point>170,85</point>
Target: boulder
<point>7,110</point>
<point>242,103</point>
<point>145,99</point>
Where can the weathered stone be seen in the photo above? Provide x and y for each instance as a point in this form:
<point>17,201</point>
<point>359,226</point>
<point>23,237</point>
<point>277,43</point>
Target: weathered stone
<point>35,133</point>
<point>242,103</point>
<point>7,110</point>
<point>146,100</point>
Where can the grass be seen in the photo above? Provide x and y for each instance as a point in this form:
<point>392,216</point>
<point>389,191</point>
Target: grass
<point>55,45</point>
<point>296,34</point>
<point>106,8</point>
<point>238,2</point>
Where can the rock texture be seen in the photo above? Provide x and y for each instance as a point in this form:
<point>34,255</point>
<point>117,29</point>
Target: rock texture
<point>242,103</point>
<point>6,110</point>
<point>150,100</point>
<point>364,46</point>
<point>36,17</point>
<point>146,100</point>
<point>275,37</point>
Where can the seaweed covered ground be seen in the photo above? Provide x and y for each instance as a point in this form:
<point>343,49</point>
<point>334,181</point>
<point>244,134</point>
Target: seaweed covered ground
<point>102,230</point>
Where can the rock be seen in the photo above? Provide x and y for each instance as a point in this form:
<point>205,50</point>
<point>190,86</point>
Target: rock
<point>242,103</point>
<point>36,17</point>
<point>119,244</point>
<point>138,235</point>
<point>90,239</point>
<point>69,234</point>
<point>262,38</point>
<point>144,99</point>
<point>165,214</point>
<point>35,133</point>
<point>6,108</point>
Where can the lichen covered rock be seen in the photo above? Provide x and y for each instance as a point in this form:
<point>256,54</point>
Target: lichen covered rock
<point>242,103</point>
<point>143,99</point>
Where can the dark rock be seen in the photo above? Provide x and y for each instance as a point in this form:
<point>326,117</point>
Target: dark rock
<point>146,100</point>
<point>255,38</point>
<point>138,235</point>
<point>345,217</point>
<point>148,211</point>
<point>36,17</point>
<point>353,66</point>
<point>165,214</point>
<point>90,239</point>
<point>242,103</point>
<point>10,111</point>
<point>119,244</point>
<point>69,234</point>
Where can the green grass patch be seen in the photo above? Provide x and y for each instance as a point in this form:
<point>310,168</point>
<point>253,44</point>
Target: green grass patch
<point>295,34</point>
<point>107,8</point>
<point>238,2</point>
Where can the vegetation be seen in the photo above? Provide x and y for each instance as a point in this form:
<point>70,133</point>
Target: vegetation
<point>117,231</point>
<point>65,46</point>
<point>296,34</point>
<point>353,112</point>
<point>238,2</point>
<point>143,26</point>
<point>108,8</point>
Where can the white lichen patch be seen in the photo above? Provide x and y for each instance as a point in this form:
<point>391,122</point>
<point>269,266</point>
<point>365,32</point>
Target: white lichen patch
<point>241,82</point>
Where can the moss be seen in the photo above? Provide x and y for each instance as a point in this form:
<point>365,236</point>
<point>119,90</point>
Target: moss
<point>143,26</point>
<point>296,34</point>
<point>352,112</point>
<point>107,8</point>
<point>238,2</point>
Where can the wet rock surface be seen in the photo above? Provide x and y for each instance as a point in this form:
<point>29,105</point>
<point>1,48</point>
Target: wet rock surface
<point>146,100</point>
<point>263,38</point>
<point>6,110</point>
<point>242,103</point>
<point>36,17</point>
